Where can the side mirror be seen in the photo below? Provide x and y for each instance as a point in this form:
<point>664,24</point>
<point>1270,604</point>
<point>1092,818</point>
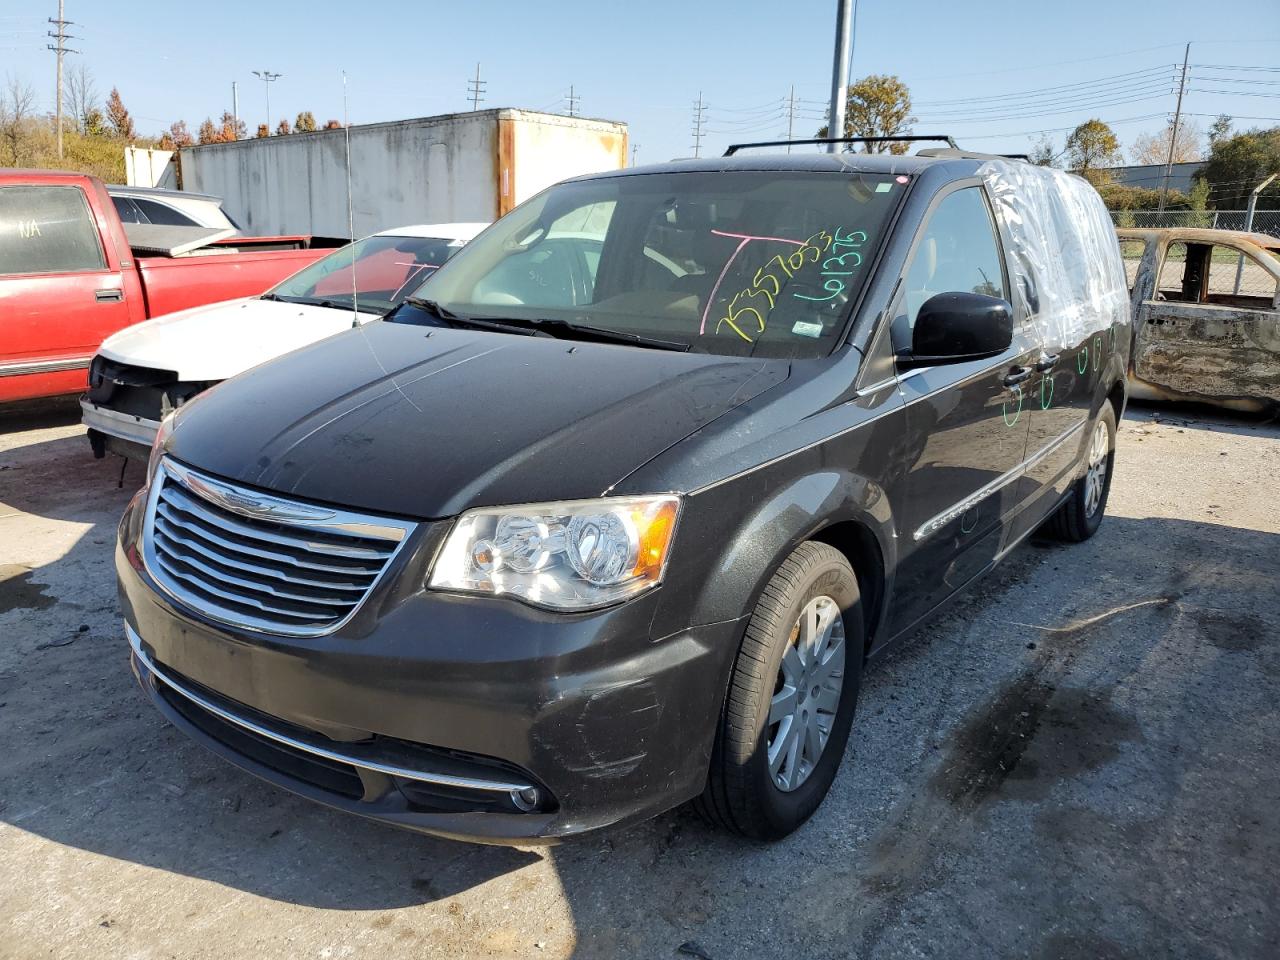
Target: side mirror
<point>955,327</point>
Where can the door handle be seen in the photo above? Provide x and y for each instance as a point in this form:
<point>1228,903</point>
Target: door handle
<point>1017,375</point>
<point>1046,362</point>
<point>108,296</point>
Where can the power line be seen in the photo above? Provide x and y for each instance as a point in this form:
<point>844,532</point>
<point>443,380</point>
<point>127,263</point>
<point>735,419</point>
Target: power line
<point>1113,80</point>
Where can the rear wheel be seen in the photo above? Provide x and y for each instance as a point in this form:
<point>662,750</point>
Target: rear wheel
<point>791,698</point>
<point>1080,516</point>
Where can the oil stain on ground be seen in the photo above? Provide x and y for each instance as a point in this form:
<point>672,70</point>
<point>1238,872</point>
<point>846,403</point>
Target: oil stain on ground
<point>17,592</point>
<point>1028,737</point>
<point>1231,632</point>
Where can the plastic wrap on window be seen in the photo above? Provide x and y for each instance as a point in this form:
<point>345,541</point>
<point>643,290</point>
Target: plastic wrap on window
<point>1068,266</point>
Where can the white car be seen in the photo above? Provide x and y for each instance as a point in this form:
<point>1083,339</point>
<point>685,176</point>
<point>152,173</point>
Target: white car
<point>176,208</point>
<point>143,372</point>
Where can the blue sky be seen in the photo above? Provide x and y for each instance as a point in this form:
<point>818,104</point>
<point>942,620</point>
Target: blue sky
<point>990,73</point>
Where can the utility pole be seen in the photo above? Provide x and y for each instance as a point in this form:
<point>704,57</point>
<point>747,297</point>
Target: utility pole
<point>791,115</point>
<point>267,78</point>
<point>634,148</point>
<point>60,49</point>
<point>840,70</point>
<point>573,102</point>
<point>235,107</point>
<point>699,118</point>
<point>474,89</point>
<point>1173,136</point>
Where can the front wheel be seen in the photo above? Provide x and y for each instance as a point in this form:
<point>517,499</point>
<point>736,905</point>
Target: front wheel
<point>1081,514</point>
<point>791,698</point>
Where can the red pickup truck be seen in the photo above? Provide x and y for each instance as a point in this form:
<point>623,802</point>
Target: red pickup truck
<point>70,275</point>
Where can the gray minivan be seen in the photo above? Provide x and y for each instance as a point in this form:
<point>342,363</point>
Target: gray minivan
<point>612,513</point>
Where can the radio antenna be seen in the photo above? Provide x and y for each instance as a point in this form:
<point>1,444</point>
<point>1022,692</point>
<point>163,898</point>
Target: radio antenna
<point>351,217</point>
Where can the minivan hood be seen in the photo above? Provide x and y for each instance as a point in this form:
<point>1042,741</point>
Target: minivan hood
<point>426,422</point>
<point>219,340</point>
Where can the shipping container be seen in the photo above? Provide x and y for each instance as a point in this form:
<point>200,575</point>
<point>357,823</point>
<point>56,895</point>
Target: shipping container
<point>459,167</point>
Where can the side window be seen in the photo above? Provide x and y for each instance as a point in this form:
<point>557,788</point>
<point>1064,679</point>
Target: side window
<point>47,230</point>
<point>1131,253</point>
<point>958,253</point>
<point>164,214</point>
<point>1176,282</point>
<point>128,212</point>
<point>1236,279</point>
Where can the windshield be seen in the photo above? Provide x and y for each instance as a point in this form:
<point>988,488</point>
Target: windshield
<point>738,263</point>
<point>386,271</point>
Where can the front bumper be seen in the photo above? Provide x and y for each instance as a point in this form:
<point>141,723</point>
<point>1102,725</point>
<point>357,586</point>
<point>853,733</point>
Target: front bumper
<point>474,718</point>
<point>122,433</point>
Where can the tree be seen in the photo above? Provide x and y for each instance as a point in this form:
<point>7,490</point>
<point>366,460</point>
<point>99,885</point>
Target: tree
<point>1152,148</point>
<point>263,131</point>
<point>1220,130</point>
<point>95,123</point>
<point>305,123</point>
<point>1042,152</point>
<point>230,129</point>
<point>208,133</point>
<point>82,95</point>
<point>119,117</point>
<point>1091,145</point>
<point>878,105</point>
<point>282,128</point>
<point>17,107</point>
<point>179,134</point>
<point>1239,163</point>
<point>332,125</point>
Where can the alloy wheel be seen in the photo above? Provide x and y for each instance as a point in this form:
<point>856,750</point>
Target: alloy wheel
<point>807,693</point>
<point>1095,479</point>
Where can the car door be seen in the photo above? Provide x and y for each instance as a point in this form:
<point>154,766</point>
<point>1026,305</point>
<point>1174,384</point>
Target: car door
<point>1212,325</point>
<point>967,422</point>
<point>59,295</point>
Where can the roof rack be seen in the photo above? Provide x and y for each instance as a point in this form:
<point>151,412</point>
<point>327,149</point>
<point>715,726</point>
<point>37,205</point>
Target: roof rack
<point>901,138</point>
<point>939,153</point>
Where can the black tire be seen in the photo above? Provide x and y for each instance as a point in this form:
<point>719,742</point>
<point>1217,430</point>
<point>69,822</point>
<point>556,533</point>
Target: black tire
<point>1073,522</point>
<point>741,795</point>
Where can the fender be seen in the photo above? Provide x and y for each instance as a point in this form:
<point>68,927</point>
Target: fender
<point>723,558</point>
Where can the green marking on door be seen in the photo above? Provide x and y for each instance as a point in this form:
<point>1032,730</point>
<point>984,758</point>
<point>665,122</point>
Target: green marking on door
<point>1046,401</point>
<point>1082,359</point>
<point>1004,409</point>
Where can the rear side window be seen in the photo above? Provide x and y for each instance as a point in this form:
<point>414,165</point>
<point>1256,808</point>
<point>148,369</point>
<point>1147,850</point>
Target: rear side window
<point>957,253</point>
<point>46,230</point>
<point>163,214</point>
<point>129,213</point>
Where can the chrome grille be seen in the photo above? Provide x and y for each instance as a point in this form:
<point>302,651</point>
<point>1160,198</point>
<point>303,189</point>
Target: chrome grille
<point>259,561</point>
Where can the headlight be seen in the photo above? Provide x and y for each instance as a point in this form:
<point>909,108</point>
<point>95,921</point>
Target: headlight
<point>157,448</point>
<point>571,555</point>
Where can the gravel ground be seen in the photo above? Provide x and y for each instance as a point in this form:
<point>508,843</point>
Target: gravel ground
<point>1078,760</point>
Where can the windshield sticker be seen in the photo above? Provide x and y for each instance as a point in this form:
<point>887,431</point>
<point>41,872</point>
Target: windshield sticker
<point>747,311</point>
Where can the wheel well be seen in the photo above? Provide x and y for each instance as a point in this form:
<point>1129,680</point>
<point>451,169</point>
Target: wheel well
<point>1117,399</point>
<point>859,546</point>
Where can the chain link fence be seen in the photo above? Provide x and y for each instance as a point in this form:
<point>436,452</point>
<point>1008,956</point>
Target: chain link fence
<point>1264,221</point>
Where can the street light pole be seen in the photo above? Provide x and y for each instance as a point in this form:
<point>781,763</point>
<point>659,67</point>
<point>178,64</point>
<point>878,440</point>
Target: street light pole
<point>840,71</point>
<point>267,78</point>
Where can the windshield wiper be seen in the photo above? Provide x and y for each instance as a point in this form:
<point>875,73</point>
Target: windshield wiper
<point>560,329</point>
<point>585,331</point>
<point>450,319</point>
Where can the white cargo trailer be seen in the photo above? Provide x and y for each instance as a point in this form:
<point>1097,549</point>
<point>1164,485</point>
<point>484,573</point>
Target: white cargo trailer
<point>458,167</point>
